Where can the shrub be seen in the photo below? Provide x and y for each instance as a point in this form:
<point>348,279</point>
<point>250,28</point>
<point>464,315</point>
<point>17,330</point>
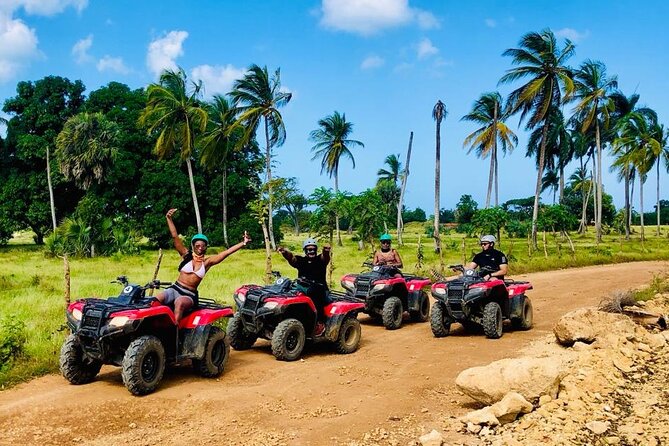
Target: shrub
<point>12,339</point>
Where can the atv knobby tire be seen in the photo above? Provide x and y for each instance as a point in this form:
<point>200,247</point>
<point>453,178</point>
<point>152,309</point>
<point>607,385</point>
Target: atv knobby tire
<point>240,337</point>
<point>423,312</point>
<point>143,365</point>
<point>492,320</point>
<point>392,313</point>
<point>74,366</point>
<point>288,340</point>
<point>349,336</point>
<point>216,354</point>
<point>440,322</point>
<point>524,322</point>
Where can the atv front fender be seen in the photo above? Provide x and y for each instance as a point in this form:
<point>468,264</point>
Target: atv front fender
<point>193,341</point>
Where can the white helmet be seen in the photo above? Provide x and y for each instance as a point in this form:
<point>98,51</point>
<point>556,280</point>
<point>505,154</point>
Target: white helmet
<point>488,238</point>
<point>309,242</point>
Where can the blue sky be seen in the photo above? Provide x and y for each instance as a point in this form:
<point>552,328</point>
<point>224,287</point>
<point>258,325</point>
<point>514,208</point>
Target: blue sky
<point>384,63</point>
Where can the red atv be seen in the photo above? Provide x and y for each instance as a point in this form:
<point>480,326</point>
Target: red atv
<point>475,302</point>
<point>387,294</point>
<point>285,314</point>
<point>139,334</point>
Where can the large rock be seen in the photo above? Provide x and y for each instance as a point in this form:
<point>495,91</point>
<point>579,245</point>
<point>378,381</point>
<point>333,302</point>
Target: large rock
<point>512,405</point>
<point>530,377</point>
<point>588,324</point>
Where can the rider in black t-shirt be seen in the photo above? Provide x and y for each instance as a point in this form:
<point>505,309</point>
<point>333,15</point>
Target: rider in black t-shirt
<point>312,266</point>
<point>490,258</point>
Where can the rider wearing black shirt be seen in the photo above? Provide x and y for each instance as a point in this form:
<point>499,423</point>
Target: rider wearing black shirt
<point>491,259</point>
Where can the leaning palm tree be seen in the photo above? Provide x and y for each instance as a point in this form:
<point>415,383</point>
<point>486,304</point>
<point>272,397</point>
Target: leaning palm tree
<point>580,181</point>
<point>438,114</point>
<point>540,59</point>
<point>258,97</point>
<point>174,112</point>
<point>86,148</point>
<point>331,144</point>
<point>218,143</point>
<point>489,112</point>
<point>594,104</point>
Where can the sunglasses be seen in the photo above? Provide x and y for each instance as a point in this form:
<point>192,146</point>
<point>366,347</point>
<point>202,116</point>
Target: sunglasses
<point>485,243</point>
<point>311,250</point>
<point>385,242</point>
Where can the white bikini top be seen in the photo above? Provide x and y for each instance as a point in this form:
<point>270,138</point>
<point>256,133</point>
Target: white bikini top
<point>188,268</point>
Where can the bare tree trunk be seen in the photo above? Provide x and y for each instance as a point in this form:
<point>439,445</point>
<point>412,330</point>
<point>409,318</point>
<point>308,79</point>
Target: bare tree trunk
<point>336,184</point>
<point>641,181</point>
<point>493,161</point>
<point>595,187</point>
<point>156,269</point>
<point>537,190</point>
<point>545,247</point>
<point>658,195</point>
<point>437,174</point>
<point>194,195</point>
<point>66,269</point>
<point>400,222</point>
<point>561,195</point>
<point>268,162</point>
<point>491,174</point>
<point>598,218</point>
<point>225,206</point>
<point>631,201</point>
<point>48,180</point>
<point>268,253</point>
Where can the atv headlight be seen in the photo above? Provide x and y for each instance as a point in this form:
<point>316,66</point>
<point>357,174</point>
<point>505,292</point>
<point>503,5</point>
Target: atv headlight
<point>241,297</point>
<point>271,305</point>
<point>348,284</point>
<point>76,314</point>
<point>440,291</point>
<point>119,321</point>
<point>380,287</point>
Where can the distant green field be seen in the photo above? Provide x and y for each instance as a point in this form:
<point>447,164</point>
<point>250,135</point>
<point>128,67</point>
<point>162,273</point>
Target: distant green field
<point>32,286</point>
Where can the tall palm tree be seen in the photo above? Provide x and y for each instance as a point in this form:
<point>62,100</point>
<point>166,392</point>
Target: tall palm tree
<point>660,153</point>
<point>218,142</point>
<point>540,59</point>
<point>393,172</point>
<point>594,104</point>
<point>174,112</point>
<point>438,114</point>
<point>489,111</point>
<point>331,144</point>
<point>86,147</point>
<point>258,97</point>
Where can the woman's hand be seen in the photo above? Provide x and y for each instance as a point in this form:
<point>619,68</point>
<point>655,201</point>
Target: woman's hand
<point>170,213</point>
<point>247,238</point>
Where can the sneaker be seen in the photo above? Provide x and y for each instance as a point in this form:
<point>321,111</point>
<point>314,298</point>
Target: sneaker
<point>320,328</point>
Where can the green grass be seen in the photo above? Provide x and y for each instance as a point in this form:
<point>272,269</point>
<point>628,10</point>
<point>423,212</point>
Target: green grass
<point>32,285</point>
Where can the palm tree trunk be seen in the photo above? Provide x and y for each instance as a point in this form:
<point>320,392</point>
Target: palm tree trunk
<point>491,174</point>
<point>627,204</point>
<point>268,253</point>
<point>496,178</point>
<point>268,164</point>
<point>598,218</point>
<point>537,190</point>
<point>48,180</point>
<point>437,173</point>
<point>658,195</point>
<point>629,217</point>
<point>493,160</point>
<point>641,181</point>
<point>336,182</point>
<point>194,195</point>
<point>224,176</point>
<point>561,195</point>
<point>400,223</point>
<point>593,176</point>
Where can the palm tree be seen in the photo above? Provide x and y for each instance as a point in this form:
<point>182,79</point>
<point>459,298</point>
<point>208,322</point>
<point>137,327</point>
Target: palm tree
<point>218,142</point>
<point>581,182</point>
<point>175,113</point>
<point>594,104</point>
<point>331,144</point>
<point>394,170</point>
<point>662,135</point>
<point>86,147</point>
<point>490,112</point>
<point>551,180</point>
<point>551,83</point>
<point>438,114</point>
<point>258,97</point>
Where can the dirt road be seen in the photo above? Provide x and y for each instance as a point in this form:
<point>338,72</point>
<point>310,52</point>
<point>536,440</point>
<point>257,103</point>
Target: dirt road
<point>396,387</point>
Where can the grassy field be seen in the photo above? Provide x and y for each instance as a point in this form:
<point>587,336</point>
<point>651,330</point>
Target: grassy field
<point>32,285</point>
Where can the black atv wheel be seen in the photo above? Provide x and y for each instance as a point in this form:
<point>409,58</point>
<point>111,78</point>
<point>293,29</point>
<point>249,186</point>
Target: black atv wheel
<point>74,366</point>
<point>423,312</point>
<point>240,337</point>
<point>143,365</point>
<point>492,320</point>
<point>392,313</point>
<point>216,354</point>
<point>288,340</point>
<point>440,321</point>
<point>349,336</point>
<point>524,322</point>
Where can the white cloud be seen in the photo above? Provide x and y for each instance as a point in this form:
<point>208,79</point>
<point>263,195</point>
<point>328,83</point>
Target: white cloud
<point>571,34</point>
<point>18,45</point>
<point>490,23</point>
<point>425,49</point>
<point>163,52</point>
<point>372,62</point>
<point>217,79</point>
<point>114,64</point>
<point>42,7</point>
<point>80,50</point>
<point>370,16</point>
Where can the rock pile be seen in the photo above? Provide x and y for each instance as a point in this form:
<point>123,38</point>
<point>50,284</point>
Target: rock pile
<point>602,381</point>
